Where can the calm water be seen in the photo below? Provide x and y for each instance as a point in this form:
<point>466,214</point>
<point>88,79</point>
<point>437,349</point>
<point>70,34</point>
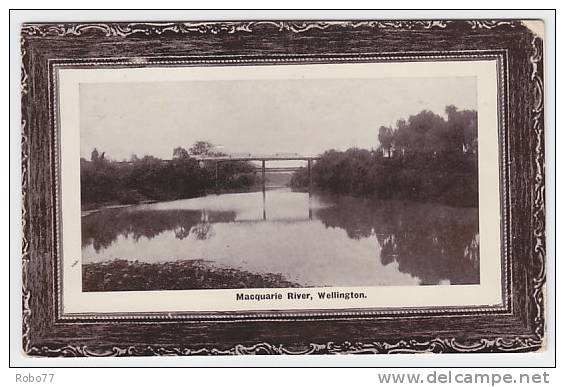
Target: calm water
<point>312,241</point>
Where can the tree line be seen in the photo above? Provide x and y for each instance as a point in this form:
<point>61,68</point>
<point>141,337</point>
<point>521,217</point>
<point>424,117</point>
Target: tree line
<point>149,178</point>
<point>425,158</point>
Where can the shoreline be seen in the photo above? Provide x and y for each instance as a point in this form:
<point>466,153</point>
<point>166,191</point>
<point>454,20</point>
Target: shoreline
<point>321,193</point>
<point>133,275</point>
<point>92,208</point>
<point>90,211</point>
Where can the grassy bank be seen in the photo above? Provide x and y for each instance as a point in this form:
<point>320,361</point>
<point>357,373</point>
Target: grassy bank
<point>124,275</point>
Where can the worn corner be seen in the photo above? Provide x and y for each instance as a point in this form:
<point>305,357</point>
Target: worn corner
<point>536,27</point>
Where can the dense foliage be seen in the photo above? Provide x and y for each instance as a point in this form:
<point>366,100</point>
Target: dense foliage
<point>425,158</point>
<point>149,178</point>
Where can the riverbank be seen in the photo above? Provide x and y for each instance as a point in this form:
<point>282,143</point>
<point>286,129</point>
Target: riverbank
<point>105,182</point>
<point>92,208</point>
<point>125,275</point>
<point>365,174</point>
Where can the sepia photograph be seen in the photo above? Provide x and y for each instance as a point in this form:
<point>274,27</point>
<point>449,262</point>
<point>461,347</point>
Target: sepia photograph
<point>365,187</point>
<point>280,187</point>
<point>279,183</point>
<point>349,185</point>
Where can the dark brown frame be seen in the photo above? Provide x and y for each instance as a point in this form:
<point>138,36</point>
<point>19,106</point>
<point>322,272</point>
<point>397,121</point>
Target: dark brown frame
<point>516,326</point>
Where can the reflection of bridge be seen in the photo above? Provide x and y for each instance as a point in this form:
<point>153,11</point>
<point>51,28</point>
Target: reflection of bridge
<point>283,220</point>
<point>263,159</point>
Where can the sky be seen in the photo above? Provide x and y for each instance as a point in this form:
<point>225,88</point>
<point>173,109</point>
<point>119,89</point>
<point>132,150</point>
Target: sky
<point>304,116</point>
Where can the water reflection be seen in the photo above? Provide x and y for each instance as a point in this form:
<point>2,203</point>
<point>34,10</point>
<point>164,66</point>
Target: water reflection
<point>101,229</point>
<point>311,240</point>
<point>432,242</point>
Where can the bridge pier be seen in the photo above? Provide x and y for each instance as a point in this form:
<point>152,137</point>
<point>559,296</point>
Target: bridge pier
<point>217,174</point>
<point>309,177</point>
<point>264,205</point>
<point>218,160</point>
<point>263,174</point>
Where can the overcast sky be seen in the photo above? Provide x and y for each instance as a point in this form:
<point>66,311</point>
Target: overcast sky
<point>260,117</point>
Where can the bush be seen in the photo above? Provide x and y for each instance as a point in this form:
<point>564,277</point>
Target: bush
<point>444,178</point>
<point>149,179</point>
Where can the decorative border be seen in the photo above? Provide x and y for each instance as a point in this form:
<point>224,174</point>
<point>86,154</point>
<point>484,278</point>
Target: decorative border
<point>26,292</point>
<point>538,194</point>
<point>229,27</point>
<point>437,345</point>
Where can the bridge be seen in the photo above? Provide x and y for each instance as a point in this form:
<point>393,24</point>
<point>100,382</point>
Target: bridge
<point>218,160</point>
<point>263,160</point>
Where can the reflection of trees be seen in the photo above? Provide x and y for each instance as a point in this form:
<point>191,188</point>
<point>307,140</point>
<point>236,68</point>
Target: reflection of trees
<point>203,230</point>
<point>434,243</point>
<point>101,229</point>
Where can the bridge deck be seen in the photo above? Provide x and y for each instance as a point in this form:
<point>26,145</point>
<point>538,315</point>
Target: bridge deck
<point>279,169</point>
<point>257,158</point>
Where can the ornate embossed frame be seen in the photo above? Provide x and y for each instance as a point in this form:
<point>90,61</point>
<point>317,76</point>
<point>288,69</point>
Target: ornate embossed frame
<point>516,326</point>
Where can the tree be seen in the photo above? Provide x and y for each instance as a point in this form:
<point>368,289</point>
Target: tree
<point>180,153</point>
<point>426,128</point>
<point>94,155</point>
<point>401,137</point>
<point>385,138</point>
<point>422,134</point>
<point>201,148</point>
<point>462,129</point>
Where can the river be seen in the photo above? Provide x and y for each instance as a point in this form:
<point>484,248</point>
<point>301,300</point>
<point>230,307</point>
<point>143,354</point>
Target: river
<point>300,239</point>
